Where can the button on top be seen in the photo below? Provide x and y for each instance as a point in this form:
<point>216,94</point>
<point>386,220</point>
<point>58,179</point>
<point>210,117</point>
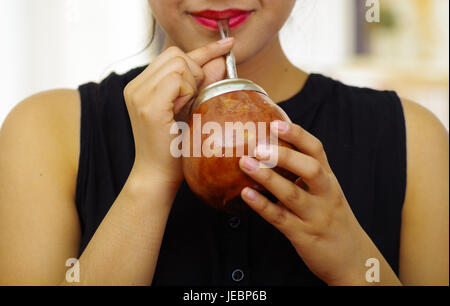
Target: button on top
<point>237,275</point>
<point>234,222</point>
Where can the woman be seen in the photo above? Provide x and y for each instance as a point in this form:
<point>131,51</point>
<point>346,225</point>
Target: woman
<point>106,190</point>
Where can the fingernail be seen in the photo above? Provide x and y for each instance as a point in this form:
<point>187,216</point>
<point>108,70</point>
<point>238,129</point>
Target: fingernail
<point>226,40</point>
<point>263,151</point>
<point>280,126</point>
<point>250,164</point>
<point>250,194</point>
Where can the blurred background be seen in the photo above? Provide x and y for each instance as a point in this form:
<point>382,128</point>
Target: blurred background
<point>63,43</point>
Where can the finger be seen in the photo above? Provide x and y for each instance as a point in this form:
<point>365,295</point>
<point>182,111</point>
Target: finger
<point>214,71</point>
<point>181,102</point>
<point>308,168</point>
<point>177,64</point>
<point>291,195</point>
<point>173,88</point>
<point>211,51</point>
<point>301,139</point>
<point>195,68</point>
<point>163,58</point>
<point>194,60</point>
<point>299,182</point>
<point>280,217</point>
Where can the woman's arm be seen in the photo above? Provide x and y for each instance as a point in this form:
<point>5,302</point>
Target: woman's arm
<point>424,252</point>
<point>39,226</point>
<point>125,247</point>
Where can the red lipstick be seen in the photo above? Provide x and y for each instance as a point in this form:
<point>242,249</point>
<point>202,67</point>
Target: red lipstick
<point>208,18</point>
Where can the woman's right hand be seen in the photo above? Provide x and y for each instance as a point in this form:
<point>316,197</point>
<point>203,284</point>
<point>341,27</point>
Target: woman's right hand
<point>158,94</point>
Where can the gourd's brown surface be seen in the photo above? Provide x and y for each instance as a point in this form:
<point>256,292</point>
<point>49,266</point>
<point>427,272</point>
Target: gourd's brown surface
<point>218,181</point>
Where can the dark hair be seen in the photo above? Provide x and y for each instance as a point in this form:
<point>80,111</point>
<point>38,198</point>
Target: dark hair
<point>157,36</point>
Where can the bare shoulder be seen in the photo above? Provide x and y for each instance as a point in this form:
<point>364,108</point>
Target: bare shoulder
<point>424,240</point>
<point>427,147</point>
<point>50,116</point>
<point>49,103</point>
<point>427,141</point>
<point>421,120</point>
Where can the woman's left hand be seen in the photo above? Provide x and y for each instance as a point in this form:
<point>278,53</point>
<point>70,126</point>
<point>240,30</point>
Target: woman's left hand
<point>313,213</point>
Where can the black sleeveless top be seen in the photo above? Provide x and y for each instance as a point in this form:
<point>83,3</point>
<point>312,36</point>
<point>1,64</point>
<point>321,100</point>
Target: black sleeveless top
<point>363,133</point>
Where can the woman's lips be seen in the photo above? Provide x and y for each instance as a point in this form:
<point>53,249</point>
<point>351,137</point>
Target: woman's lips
<point>209,18</point>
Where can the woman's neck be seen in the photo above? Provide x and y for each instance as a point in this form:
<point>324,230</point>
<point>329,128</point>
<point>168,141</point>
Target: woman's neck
<point>271,70</point>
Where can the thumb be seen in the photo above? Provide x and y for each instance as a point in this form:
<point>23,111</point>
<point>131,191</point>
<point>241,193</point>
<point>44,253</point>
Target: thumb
<point>215,71</point>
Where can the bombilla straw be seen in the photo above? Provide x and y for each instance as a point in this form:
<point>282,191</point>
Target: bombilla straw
<point>224,29</point>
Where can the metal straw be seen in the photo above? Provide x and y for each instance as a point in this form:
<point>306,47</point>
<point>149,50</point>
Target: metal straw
<point>224,29</point>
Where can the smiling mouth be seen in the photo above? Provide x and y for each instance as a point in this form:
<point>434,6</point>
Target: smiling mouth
<point>209,18</point>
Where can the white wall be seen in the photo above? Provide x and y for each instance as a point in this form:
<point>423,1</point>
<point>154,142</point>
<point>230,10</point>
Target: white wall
<point>319,34</point>
<point>62,43</point>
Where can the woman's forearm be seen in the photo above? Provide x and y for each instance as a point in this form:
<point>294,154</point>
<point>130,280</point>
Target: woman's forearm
<point>369,268</point>
<point>125,248</point>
